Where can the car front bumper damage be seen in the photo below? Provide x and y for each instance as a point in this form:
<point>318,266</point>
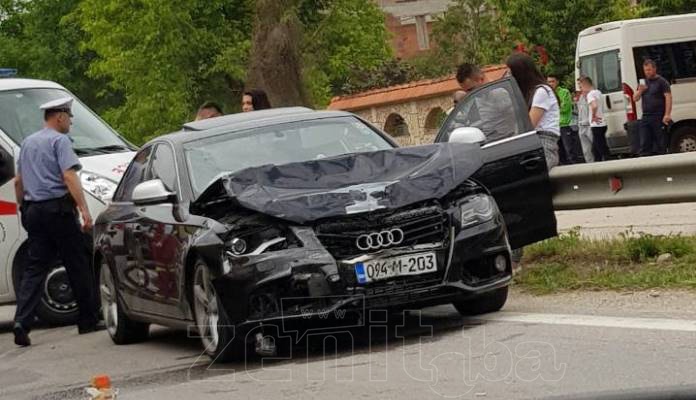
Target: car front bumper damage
<point>307,282</point>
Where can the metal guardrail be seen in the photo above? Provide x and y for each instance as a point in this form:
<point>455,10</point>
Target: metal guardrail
<point>637,181</point>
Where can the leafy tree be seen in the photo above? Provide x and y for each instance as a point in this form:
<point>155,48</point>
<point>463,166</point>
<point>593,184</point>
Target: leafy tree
<point>471,31</point>
<point>388,73</point>
<point>653,8</point>
<point>555,24</point>
<point>304,51</point>
<point>342,38</point>
<point>163,55</point>
<point>41,43</point>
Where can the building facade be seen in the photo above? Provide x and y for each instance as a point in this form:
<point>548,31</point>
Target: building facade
<point>411,113</point>
<point>410,24</point>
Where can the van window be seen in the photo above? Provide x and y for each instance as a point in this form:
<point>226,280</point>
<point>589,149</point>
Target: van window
<point>604,70</point>
<point>674,61</point>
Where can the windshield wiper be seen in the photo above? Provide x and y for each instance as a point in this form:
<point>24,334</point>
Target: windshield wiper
<point>113,148</point>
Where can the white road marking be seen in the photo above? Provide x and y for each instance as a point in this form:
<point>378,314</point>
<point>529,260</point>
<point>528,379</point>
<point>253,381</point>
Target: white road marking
<point>663,324</point>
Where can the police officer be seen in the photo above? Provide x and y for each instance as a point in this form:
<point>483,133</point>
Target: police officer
<point>49,194</point>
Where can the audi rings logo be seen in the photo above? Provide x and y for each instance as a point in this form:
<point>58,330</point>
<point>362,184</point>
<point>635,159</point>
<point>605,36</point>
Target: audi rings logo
<point>377,240</point>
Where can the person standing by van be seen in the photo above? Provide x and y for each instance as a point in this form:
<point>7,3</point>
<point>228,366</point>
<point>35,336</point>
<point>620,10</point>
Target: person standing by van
<point>584,130</point>
<point>600,149</point>
<point>543,106</point>
<point>570,142</point>
<point>50,195</point>
<point>656,95</point>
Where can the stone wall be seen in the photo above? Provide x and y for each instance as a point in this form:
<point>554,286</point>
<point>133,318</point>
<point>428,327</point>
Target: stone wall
<point>422,117</point>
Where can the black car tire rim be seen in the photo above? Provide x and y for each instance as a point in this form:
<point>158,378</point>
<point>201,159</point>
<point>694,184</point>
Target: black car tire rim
<point>206,309</point>
<point>57,293</point>
<point>107,294</point>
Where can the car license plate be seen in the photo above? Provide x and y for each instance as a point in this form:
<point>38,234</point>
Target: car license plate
<point>385,268</point>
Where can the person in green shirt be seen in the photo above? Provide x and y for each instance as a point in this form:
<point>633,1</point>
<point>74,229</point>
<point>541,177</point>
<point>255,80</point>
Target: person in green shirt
<point>570,149</point>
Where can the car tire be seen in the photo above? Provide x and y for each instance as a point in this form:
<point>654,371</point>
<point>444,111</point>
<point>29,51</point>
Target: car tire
<point>214,329</point>
<point>683,139</point>
<point>486,303</point>
<point>122,329</point>
<point>57,306</point>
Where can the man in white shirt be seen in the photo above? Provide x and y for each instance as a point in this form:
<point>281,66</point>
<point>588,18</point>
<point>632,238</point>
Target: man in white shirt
<point>600,149</point>
<point>584,129</point>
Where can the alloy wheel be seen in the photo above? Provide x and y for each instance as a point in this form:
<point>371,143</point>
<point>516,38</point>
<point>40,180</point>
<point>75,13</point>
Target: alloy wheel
<point>206,309</point>
<point>109,305</point>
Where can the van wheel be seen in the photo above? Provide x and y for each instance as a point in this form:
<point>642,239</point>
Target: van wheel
<point>122,329</point>
<point>58,305</point>
<point>683,140</point>
<point>214,329</point>
<point>486,303</point>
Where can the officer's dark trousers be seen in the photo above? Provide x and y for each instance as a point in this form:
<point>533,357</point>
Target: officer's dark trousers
<point>54,230</point>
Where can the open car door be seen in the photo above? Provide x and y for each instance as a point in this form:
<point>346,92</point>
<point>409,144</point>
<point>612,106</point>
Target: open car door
<point>514,168</point>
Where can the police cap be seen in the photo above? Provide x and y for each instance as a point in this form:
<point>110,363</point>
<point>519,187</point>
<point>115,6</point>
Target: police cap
<point>63,104</point>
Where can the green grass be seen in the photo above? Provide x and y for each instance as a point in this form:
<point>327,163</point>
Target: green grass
<point>572,262</point>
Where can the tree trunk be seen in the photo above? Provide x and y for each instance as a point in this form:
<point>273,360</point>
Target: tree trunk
<point>276,63</point>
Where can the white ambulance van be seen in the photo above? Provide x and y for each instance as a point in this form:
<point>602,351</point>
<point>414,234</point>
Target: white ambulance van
<point>104,156</point>
<point>612,54</point>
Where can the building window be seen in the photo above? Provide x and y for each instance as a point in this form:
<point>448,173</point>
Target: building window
<point>422,33</point>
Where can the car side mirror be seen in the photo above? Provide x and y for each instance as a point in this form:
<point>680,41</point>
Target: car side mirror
<point>467,135</point>
<point>151,192</point>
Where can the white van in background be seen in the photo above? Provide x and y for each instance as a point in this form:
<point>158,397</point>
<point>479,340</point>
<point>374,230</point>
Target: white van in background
<point>612,54</point>
<point>104,156</point>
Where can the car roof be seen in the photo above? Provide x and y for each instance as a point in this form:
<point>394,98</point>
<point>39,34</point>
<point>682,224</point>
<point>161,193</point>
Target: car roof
<point>18,83</point>
<point>198,130</point>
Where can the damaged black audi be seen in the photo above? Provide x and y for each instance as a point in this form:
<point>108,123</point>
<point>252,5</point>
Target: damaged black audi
<point>263,218</point>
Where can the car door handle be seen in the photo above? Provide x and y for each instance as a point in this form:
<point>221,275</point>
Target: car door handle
<point>532,162</point>
<point>608,102</point>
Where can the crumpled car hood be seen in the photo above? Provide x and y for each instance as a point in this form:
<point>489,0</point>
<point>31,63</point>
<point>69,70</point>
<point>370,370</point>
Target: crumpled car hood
<point>306,191</point>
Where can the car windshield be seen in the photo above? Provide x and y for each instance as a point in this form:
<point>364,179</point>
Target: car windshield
<point>279,144</point>
<point>20,116</point>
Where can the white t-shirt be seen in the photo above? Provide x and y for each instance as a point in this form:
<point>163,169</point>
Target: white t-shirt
<point>546,100</point>
<point>596,95</point>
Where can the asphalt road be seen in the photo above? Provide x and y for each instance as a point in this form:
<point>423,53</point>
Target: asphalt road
<point>535,348</point>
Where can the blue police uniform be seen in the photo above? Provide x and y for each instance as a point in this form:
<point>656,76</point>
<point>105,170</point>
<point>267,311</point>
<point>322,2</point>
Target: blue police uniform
<point>51,220</point>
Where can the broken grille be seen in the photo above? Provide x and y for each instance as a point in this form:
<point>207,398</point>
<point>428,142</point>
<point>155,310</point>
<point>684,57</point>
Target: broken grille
<point>421,225</point>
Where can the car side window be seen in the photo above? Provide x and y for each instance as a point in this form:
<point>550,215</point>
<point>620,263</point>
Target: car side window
<point>162,167</point>
<point>135,174</point>
<point>494,109</point>
<point>7,164</point>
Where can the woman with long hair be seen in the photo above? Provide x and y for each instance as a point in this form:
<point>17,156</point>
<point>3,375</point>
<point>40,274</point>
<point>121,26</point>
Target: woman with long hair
<point>254,100</point>
<point>542,102</point>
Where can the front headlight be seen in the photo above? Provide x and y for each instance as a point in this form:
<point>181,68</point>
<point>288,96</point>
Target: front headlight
<point>260,240</point>
<point>99,186</point>
<point>477,209</point>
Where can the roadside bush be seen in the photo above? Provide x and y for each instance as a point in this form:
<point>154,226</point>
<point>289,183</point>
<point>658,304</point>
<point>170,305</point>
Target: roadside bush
<point>560,245</point>
<point>645,247</point>
<point>626,249</point>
